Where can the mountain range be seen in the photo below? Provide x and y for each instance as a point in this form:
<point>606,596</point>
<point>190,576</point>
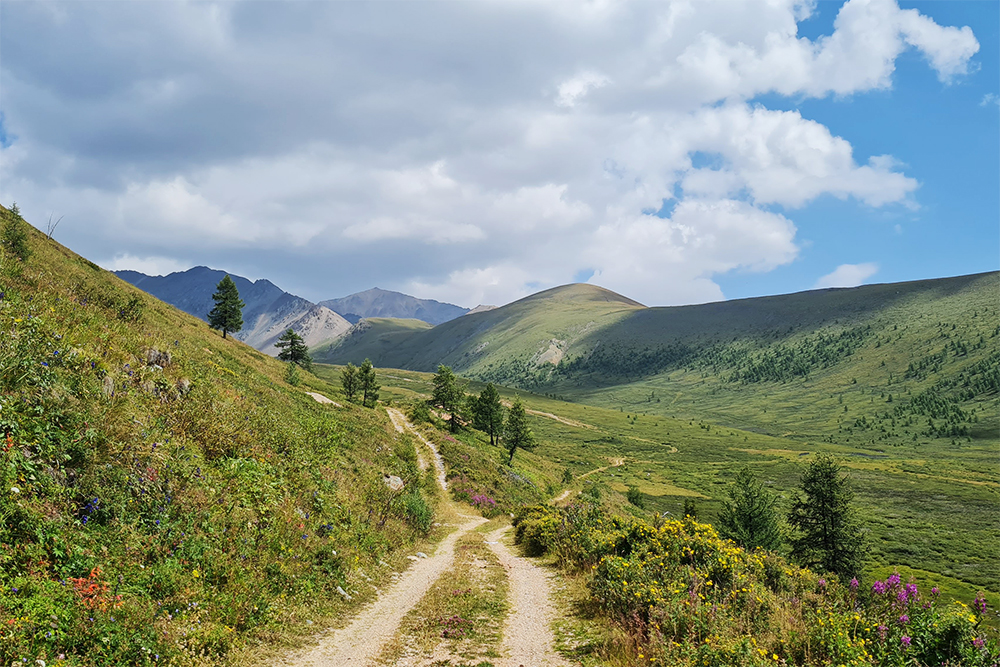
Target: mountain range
<point>270,311</point>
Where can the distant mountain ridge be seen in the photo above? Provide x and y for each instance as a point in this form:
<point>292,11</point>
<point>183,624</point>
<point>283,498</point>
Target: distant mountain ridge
<point>382,303</point>
<point>268,313</point>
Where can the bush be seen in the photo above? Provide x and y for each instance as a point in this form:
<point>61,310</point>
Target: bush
<point>14,238</point>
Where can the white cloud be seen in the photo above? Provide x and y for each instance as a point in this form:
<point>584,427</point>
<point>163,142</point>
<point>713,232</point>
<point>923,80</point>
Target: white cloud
<point>151,266</point>
<point>572,90</point>
<point>848,275</point>
<point>427,149</point>
<point>990,99</point>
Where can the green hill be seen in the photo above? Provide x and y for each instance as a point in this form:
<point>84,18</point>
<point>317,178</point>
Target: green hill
<point>533,331</point>
<point>164,495</point>
<point>370,338</point>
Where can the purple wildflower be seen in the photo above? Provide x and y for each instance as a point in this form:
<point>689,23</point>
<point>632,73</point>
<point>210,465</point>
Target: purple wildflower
<point>854,584</point>
<point>822,583</point>
<point>901,595</point>
<point>893,579</point>
<point>979,642</point>
<point>879,587</point>
<point>935,591</point>
<point>905,640</point>
<point>882,632</point>
<point>904,619</point>
<point>980,603</point>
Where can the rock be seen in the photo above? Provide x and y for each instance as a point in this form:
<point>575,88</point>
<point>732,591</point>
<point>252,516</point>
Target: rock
<point>108,386</point>
<point>183,387</point>
<point>344,594</point>
<point>155,357</point>
<point>393,482</point>
<point>421,554</point>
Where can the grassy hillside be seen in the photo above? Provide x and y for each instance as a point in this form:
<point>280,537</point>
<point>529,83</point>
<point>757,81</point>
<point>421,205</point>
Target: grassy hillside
<point>165,497</point>
<point>535,330</point>
<point>370,338</point>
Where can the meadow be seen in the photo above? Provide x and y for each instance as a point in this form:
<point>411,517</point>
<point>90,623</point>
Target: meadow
<point>929,512</point>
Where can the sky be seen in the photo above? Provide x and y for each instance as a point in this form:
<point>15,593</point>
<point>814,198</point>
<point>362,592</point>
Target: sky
<point>478,151</point>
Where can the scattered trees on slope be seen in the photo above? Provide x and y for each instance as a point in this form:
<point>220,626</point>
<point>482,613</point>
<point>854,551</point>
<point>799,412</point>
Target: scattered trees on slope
<point>368,384</point>
<point>349,381</point>
<point>15,234</point>
<point>227,314</point>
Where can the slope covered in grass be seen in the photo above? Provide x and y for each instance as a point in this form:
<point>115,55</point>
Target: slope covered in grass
<point>370,338</point>
<point>165,498</point>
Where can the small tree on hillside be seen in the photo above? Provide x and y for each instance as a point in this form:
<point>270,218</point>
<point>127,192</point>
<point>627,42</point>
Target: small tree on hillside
<point>828,534</point>
<point>15,234</point>
<point>448,394</point>
<point>349,381</point>
<point>367,384</point>
<point>750,516</point>
<point>516,434</point>
<point>294,349</point>
<point>228,312</point>
<point>488,412</point>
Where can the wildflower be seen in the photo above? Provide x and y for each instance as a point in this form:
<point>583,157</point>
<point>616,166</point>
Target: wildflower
<point>893,579</point>
<point>195,573</point>
<point>15,490</point>
<point>935,591</point>
<point>905,640</point>
<point>979,642</point>
<point>904,619</point>
<point>879,587</point>
<point>980,603</point>
<point>854,584</point>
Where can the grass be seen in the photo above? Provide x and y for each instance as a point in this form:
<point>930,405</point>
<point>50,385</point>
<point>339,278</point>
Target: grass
<point>462,616</point>
<point>165,497</point>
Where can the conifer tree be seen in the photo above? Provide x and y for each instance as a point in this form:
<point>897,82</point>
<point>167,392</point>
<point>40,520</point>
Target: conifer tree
<point>516,434</point>
<point>228,312</point>
<point>294,349</point>
<point>15,234</point>
<point>367,384</point>
<point>750,516</point>
<point>828,534</point>
<point>349,381</point>
<point>448,394</point>
<point>488,412</point>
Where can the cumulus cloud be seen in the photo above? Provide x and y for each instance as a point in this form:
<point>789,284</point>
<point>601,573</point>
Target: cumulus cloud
<point>151,266</point>
<point>848,275</point>
<point>471,152</point>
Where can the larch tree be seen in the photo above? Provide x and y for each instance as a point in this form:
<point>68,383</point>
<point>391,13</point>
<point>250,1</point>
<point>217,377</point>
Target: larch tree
<point>228,312</point>
<point>750,516</point>
<point>294,349</point>
<point>448,394</point>
<point>516,434</point>
<point>368,384</point>
<point>349,381</point>
<point>488,412</point>
<point>828,534</point>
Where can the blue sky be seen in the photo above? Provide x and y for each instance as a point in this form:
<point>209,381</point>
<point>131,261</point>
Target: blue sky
<point>476,152</point>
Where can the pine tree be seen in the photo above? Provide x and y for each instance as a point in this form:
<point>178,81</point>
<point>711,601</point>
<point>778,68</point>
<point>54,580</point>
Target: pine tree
<point>516,434</point>
<point>349,381</point>
<point>828,535</point>
<point>488,412</point>
<point>750,516</point>
<point>448,394</point>
<point>15,234</point>
<point>294,349</point>
<point>228,312</point>
<point>367,384</point>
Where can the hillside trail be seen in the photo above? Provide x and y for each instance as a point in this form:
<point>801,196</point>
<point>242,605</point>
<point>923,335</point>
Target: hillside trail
<point>527,637</point>
<point>403,425</point>
<point>615,463</point>
<point>359,643</point>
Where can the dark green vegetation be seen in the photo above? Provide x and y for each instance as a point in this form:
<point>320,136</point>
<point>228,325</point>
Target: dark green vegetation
<point>164,495</point>
<point>899,381</point>
<point>293,349</point>
<point>750,516</point>
<point>227,315</point>
<point>827,536</point>
<point>369,338</point>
